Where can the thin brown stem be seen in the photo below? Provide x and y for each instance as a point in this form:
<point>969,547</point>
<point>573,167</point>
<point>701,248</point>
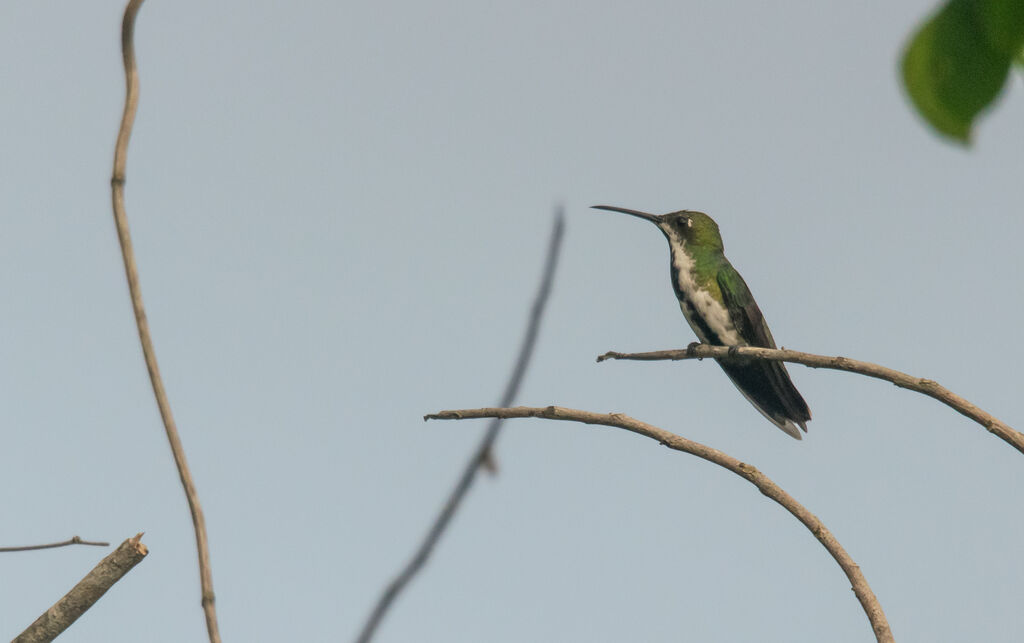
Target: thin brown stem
<point>860,586</point>
<point>85,594</point>
<point>117,182</point>
<point>930,388</point>
<point>74,540</point>
<point>482,456</point>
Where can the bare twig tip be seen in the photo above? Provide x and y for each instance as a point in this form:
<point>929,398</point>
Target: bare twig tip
<point>84,594</point>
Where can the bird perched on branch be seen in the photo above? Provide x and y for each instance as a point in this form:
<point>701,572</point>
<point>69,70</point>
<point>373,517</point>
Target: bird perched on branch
<point>721,311</point>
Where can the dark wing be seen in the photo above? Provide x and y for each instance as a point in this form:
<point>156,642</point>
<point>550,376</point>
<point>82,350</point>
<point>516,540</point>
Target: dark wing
<point>766,384</point>
<point>743,310</point>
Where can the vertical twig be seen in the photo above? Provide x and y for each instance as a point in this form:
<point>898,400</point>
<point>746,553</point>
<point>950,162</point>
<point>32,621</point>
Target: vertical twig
<point>117,182</point>
<point>482,455</point>
<point>85,594</point>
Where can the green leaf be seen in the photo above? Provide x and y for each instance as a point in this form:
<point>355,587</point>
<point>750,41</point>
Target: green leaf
<point>958,61</point>
<point>1003,22</point>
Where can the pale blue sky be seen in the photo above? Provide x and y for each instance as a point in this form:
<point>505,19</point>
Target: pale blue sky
<point>340,212</point>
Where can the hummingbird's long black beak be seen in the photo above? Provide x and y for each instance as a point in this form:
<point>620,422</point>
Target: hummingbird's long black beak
<point>653,218</point>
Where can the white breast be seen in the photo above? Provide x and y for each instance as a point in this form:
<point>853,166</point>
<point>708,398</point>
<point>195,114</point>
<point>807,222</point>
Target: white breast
<point>702,304</point>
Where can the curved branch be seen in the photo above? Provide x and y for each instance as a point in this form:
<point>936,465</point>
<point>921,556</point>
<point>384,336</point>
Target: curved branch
<point>117,182</point>
<point>85,594</point>
<point>74,540</point>
<point>482,456</point>
<point>867,598</point>
<point>931,388</point>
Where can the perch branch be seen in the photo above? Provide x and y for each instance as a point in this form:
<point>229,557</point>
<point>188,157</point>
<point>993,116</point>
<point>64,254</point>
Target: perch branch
<point>117,182</point>
<point>74,540</point>
<point>930,388</point>
<point>83,595</point>
<point>482,456</point>
<point>861,589</point>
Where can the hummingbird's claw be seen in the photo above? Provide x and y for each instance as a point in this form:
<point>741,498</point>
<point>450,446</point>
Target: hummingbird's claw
<point>691,349</point>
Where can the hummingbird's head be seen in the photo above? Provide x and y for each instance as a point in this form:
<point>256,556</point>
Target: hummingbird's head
<point>686,227</point>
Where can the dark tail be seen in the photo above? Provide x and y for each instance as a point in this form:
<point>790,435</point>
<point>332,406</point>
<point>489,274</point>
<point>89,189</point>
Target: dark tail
<point>767,386</point>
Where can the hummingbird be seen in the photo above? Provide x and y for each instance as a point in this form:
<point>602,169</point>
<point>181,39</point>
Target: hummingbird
<point>721,311</point>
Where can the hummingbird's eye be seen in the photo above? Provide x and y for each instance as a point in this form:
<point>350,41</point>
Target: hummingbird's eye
<point>689,222</point>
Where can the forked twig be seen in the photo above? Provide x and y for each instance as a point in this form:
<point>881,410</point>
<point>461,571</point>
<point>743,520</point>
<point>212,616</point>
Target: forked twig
<point>117,182</point>
<point>930,388</point>
<point>482,455</point>
<point>860,586</point>
<point>83,595</point>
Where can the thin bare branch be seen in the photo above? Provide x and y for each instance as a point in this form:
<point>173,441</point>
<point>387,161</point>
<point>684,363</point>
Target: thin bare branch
<point>74,540</point>
<point>930,388</point>
<point>117,182</point>
<point>482,456</point>
<point>83,595</point>
<point>860,586</point>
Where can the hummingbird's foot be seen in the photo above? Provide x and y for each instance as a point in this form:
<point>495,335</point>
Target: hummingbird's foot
<point>692,348</point>
<point>734,356</point>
